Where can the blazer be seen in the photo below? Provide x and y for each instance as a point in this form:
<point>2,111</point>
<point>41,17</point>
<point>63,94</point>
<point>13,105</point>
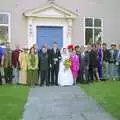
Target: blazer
<point>15,57</point>
<point>44,60</point>
<point>114,57</point>
<point>7,58</point>
<point>55,57</point>
<point>106,55</point>
<point>93,59</point>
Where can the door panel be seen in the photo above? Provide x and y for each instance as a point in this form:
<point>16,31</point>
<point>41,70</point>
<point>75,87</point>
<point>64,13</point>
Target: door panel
<point>49,34</point>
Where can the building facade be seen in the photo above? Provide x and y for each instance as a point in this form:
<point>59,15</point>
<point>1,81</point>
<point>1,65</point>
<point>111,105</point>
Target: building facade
<point>27,22</point>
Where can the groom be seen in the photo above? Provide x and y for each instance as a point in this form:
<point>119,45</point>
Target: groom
<point>55,58</point>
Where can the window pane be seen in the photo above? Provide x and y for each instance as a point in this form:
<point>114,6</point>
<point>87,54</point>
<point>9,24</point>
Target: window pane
<point>3,33</point>
<point>97,35</point>
<point>89,22</point>
<point>3,19</point>
<point>97,22</point>
<point>88,36</point>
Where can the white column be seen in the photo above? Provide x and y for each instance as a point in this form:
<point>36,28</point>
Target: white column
<point>69,34</point>
<point>30,32</point>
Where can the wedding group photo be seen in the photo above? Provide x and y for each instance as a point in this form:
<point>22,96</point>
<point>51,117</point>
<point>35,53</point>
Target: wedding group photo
<point>59,66</point>
<point>59,60</point>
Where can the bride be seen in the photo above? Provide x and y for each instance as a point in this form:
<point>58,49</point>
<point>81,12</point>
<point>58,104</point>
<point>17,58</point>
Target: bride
<point>65,77</point>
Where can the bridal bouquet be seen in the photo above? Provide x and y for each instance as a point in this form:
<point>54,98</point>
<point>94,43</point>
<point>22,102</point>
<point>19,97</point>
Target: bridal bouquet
<point>67,63</point>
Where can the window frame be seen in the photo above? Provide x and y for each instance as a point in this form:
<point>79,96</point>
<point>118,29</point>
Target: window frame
<point>93,28</point>
<point>7,25</point>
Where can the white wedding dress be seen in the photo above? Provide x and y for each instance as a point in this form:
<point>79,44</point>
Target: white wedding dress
<point>65,77</point>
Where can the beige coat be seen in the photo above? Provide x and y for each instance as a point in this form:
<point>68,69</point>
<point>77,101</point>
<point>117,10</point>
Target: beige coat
<point>23,67</point>
<point>23,60</point>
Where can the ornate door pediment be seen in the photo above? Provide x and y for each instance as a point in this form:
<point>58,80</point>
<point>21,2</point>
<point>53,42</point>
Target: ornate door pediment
<point>50,10</point>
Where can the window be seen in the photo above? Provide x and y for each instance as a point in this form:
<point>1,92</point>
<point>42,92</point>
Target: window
<point>93,30</point>
<point>4,27</point>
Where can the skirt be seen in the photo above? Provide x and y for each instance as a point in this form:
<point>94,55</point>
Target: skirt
<point>32,77</point>
<point>23,77</point>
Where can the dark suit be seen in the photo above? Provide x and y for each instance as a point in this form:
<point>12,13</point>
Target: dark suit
<point>84,65</point>
<point>43,67</point>
<point>106,55</point>
<point>113,57</point>
<point>55,58</point>
<point>93,60</point>
<point>79,74</point>
<point>49,69</point>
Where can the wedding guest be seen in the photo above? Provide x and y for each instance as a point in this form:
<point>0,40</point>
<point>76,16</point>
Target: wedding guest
<point>70,49</point>
<point>93,63</point>
<point>48,51</point>
<point>23,56</point>
<point>55,59</point>
<point>7,65</point>
<point>44,66</point>
<point>106,58</point>
<point>15,64</point>
<point>0,79</point>
<point>100,59</point>
<point>89,48</point>
<point>112,62</point>
<point>2,51</point>
<point>77,48</point>
<point>75,65</point>
<point>36,48</point>
<point>84,64</point>
<point>32,75</point>
<point>82,61</point>
<point>118,63</point>
<point>87,62</point>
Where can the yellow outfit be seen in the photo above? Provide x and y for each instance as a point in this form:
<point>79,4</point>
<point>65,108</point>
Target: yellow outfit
<point>23,67</point>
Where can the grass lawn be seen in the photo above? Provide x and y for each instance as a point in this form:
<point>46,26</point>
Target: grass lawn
<point>107,94</point>
<point>12,100</point>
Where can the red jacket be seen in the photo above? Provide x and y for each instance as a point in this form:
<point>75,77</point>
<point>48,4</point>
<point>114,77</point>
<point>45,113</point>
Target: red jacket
<point>15,57</point>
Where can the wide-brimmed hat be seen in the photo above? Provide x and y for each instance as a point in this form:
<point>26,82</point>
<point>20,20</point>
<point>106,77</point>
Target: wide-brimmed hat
<point>70,46</point>
<point>25,48</point>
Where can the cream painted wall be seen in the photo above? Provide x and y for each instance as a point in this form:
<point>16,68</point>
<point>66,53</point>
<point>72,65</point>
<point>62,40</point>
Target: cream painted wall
<point>107,9</point>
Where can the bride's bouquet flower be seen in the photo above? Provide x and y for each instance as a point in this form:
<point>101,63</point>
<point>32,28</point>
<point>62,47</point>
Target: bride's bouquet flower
<point>67,64</point>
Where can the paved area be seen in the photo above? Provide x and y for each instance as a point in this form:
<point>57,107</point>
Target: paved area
<point>62,103</point>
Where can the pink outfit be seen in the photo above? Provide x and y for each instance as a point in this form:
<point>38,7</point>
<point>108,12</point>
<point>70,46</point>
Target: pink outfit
<point>75,65</point>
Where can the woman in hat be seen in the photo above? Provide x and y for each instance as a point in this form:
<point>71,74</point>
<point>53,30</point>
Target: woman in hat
<point>70,49</point>
<point>23,66</point>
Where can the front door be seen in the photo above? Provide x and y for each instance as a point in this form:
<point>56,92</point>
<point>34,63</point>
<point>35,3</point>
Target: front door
<point>49,34</point>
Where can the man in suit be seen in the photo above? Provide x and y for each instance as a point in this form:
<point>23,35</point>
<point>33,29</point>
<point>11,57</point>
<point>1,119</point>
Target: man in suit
<point>118,63</point>
<point>55,58</point>
<point>93,64</point>
<point>84,66</point>
<point>106,58</point>
<point>77,48</point>
<point>48,53</point>
<point>44,66</point>
<point>112,62</point>
<point>7,64</point>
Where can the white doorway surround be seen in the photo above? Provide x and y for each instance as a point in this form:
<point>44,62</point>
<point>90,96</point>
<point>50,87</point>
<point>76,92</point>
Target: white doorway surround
<point>50,14</point>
